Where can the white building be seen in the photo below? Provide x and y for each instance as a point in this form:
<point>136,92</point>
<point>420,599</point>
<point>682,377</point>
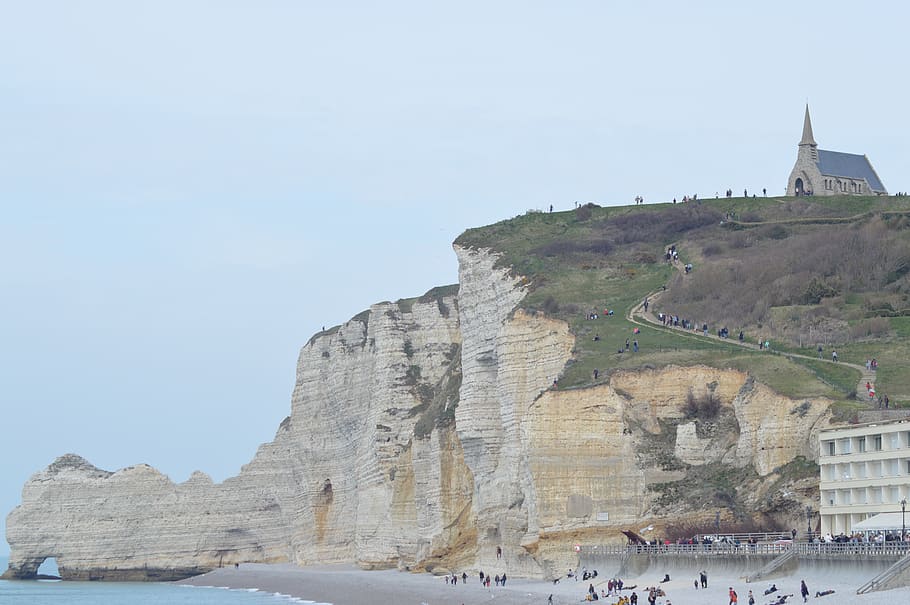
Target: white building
<point>865,470</point>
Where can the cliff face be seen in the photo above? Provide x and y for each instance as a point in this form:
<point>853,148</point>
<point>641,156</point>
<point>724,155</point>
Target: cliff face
<point>423,434</point>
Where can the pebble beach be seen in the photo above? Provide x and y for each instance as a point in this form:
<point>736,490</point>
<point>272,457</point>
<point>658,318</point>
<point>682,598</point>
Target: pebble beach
<point>349,585</point>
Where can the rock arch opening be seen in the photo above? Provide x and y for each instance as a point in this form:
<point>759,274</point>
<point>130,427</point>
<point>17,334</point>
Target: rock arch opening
<point>48,568</point>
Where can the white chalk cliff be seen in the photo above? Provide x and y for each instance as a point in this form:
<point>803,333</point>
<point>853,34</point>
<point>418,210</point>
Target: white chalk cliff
<point>423,434</point>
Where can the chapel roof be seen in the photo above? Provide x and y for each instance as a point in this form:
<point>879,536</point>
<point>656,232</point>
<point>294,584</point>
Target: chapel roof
<point>849,165</point>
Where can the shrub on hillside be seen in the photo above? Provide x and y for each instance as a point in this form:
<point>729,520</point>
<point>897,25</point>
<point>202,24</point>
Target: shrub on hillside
<point>816,290</point>
<point>712,249</point>
<point>874,327</point>
<point>565,248</point>
<point>739,240</point>
<point>702,407</point>
<point>812,266</point>
<point>661,226</point>
<point>583,213</point>
<point>550,306</point>
<point>773,232</point>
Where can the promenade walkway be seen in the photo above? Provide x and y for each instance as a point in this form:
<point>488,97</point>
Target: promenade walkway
<point>891,551</point>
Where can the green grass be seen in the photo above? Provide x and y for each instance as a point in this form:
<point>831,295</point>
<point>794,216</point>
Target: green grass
<point>840,377</point>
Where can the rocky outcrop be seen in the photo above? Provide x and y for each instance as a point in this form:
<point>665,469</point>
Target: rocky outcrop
<point>509,358</point>
<point>367,468</point>
<point>423,434</point>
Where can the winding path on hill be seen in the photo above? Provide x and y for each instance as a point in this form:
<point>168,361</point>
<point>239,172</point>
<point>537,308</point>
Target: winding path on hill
<point>814,220</point>
<point>637,315</point>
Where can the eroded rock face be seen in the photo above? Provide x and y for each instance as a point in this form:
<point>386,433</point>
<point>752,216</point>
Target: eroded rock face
<point>137,524</point>
<point>377,465</point>
<point>366,469</point>
<point>508,360</point>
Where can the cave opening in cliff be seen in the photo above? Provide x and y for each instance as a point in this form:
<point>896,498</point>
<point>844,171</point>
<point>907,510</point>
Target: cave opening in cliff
<point>48,568</point>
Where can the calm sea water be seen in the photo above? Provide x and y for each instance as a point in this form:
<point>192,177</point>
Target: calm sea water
<point>101,593</point>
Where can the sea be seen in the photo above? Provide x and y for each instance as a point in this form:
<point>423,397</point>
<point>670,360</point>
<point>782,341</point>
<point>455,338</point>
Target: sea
<point>55,592</point>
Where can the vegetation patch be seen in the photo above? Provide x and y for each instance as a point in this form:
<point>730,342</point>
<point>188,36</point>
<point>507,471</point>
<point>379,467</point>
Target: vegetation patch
<point>701,407</point>
<point>438,410</point>
<point>438,294</point>
<point>831,272</point>
<point>709,486</point>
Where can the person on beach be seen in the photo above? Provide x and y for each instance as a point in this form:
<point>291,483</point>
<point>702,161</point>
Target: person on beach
<point>733,596</point>
<point>704,579</point>
<point>804,590</point>
<point>751,598</point>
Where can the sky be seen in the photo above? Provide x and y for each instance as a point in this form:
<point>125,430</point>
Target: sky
<point>190,190</point>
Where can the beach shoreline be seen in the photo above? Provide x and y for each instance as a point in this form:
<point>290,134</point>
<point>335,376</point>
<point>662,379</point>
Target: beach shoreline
<point>350,585</point>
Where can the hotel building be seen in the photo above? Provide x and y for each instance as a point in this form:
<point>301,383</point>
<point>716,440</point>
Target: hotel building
<point>865,470</point>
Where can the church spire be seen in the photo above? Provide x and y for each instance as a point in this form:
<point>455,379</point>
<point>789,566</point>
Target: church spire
<point>807,139</point>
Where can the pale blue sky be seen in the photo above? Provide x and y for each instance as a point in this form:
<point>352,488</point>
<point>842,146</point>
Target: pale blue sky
<point>190,190</point>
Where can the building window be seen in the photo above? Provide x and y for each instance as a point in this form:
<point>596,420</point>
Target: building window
<point>861,444</point>
<point>831,447</point>
<point>876,443</point>
<point>845,446</point>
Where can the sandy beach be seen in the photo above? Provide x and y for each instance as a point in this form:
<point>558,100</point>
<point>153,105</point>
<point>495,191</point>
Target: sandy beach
<point>348,585</point>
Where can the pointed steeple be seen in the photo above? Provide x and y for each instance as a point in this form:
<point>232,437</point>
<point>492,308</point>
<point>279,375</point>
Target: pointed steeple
<point>808,139</point>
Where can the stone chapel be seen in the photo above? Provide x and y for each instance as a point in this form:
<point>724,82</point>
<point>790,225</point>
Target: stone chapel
<point>821,172</point>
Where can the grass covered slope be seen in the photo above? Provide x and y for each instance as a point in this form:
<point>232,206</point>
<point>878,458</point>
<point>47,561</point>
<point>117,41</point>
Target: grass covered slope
<point>798,272</point>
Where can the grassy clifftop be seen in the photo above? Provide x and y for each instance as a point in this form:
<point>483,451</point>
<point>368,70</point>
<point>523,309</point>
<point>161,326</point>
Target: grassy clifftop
<point>799,272</point>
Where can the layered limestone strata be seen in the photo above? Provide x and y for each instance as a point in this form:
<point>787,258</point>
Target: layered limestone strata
<point>367,468</point>
<point>423,434</point>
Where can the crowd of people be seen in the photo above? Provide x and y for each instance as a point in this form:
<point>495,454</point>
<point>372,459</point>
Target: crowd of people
<point>617,592</point>
<point>879,537</point>
<point>639,199</point>
<point>485,579</point>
